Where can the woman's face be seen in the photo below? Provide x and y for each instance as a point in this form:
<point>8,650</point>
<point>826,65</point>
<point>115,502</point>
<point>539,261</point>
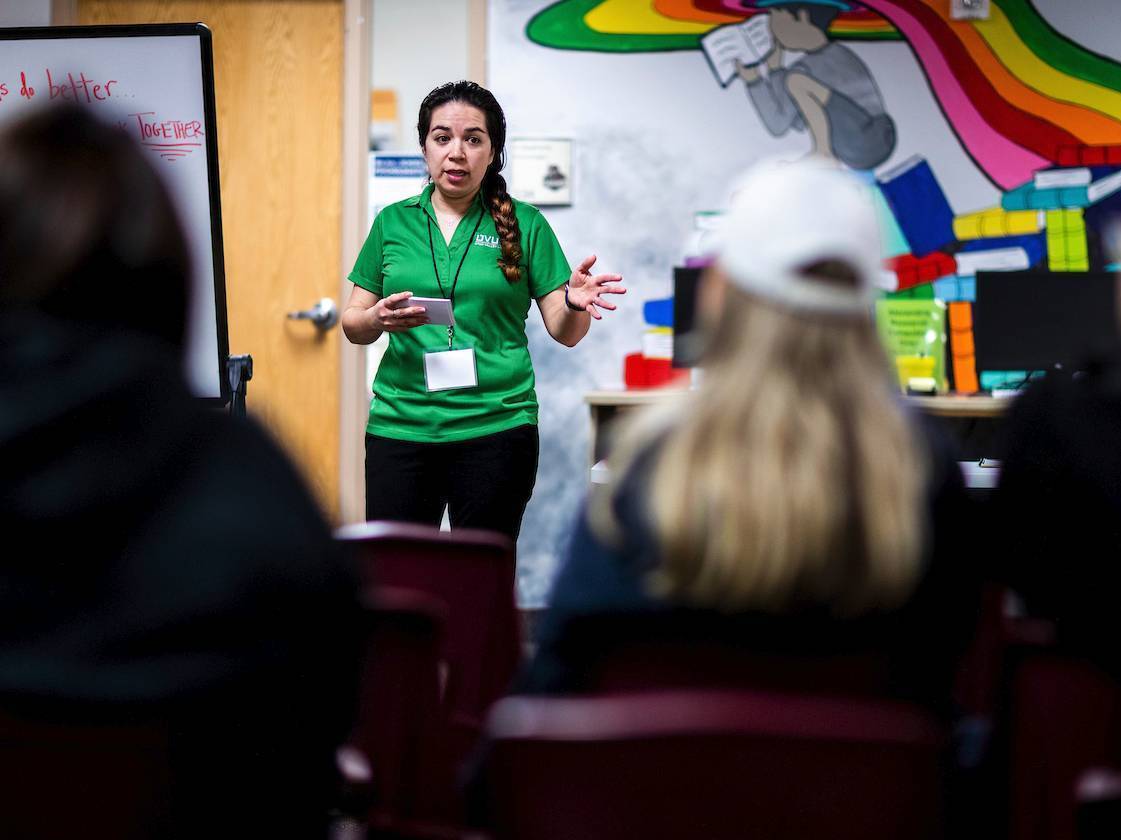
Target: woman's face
<point>457,149</point>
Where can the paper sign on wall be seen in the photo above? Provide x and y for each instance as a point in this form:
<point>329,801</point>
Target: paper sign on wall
<point>914,334</point>
<point>395,176</point>
<point>541,171</point>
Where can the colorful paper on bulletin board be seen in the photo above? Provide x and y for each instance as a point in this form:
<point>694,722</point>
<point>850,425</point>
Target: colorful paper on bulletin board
<point>914,328</point>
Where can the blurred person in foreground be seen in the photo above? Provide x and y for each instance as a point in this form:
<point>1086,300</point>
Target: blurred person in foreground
<point>1057,508</point>
<point>173,565</point>
<point>789,502</point>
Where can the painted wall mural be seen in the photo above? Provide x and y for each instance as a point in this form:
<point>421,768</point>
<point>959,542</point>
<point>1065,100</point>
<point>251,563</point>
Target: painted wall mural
<point>994,145</point>
<point>1019,95</point>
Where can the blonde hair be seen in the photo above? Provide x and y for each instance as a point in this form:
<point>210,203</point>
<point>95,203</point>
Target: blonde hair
<point>790,478</point>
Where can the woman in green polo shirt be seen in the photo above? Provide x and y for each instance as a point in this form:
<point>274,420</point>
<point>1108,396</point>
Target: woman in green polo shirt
<point>454,416</point>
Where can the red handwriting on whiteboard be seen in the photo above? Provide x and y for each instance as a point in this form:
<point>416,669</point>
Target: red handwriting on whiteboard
<point>78,89</point>
<point>170,139</point>
<point>70,88</point>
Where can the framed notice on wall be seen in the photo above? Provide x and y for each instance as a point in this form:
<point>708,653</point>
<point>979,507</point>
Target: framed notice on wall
<point>541,171</point>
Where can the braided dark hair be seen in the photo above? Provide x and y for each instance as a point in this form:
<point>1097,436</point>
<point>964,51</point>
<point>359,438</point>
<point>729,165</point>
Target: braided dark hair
<point>498,201</point>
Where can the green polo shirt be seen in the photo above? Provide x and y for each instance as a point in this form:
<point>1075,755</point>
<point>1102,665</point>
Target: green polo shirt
<point>490,316</point>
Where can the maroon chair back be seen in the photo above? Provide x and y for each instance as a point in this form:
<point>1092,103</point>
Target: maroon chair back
<point>472,574</point>
<point>999,629</point>
<point>1064,718</point>
<point>978,678</point>
<point>716,765</point>
<point>399,720</point>
<point>66,780</point>
<point>699,649</point>
<point>665,664</point>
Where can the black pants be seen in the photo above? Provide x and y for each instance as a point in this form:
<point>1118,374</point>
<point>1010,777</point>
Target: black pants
<point>485,482</point>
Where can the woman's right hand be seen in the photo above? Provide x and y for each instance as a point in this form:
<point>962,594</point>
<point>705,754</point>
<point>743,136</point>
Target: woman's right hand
<point>367,316</point>
<point>390,314</point>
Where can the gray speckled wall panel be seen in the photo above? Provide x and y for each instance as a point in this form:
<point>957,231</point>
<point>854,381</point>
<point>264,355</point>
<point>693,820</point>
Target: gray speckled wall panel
<point>643,249</point>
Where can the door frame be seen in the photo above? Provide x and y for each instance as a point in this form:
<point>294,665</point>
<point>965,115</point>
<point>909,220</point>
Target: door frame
<point>353,409</point>
<point>64,12</point>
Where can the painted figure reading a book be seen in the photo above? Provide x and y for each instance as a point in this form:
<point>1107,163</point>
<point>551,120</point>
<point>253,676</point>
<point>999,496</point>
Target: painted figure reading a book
<point>828,90</point>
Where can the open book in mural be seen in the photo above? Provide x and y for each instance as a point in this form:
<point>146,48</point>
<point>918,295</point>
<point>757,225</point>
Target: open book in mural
<point>730,47</point>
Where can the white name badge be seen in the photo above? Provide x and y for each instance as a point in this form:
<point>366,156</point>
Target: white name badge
<point>447,369</point>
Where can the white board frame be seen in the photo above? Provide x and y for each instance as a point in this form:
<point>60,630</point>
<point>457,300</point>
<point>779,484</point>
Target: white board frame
<point>217,389</point>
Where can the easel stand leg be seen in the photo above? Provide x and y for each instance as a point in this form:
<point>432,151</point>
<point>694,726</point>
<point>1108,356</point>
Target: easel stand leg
<point>240,370</point>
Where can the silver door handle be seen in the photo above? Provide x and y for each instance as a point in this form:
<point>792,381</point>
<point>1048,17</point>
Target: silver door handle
<point>324,314</point>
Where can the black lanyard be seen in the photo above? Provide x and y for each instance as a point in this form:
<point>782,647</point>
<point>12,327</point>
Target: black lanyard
<point>432,251</point>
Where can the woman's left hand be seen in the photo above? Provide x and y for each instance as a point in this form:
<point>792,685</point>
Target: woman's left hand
<point>585,289</point>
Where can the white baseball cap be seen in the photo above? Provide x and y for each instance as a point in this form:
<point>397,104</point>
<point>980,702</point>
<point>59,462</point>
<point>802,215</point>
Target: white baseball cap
<point>785,216</point>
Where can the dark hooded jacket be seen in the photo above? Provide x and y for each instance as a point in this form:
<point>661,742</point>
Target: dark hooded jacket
<point>1057,512</point>
<point>164,559</point>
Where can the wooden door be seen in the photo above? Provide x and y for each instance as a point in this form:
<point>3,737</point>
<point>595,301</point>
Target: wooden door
<point>278,69</point>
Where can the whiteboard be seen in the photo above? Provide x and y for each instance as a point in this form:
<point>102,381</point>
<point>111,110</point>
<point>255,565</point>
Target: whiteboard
<point>157,83</point>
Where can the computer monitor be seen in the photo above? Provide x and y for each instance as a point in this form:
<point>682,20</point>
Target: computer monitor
<point>1042,321</point>
<point>686,343</point>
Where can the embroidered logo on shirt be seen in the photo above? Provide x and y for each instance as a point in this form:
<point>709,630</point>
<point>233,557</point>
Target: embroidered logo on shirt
<point>487,241</point>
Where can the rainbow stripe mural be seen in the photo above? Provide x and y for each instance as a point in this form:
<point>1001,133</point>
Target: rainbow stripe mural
<point>628,26</point>
<point>1016,92</point>
<point>1019,95</point>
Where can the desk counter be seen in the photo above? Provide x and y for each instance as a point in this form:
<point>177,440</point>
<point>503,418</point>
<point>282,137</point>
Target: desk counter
<point>605,405</point>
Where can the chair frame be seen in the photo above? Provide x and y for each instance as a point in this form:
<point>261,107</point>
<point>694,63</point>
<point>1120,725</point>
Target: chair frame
<point>636,735</point>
